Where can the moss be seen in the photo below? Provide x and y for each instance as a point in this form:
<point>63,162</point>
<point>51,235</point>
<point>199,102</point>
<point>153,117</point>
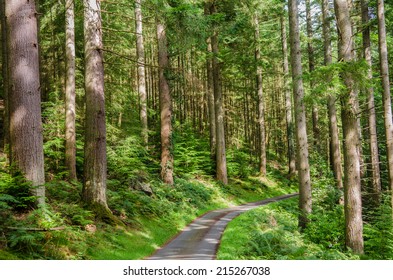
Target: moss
<point>4,255</point>
<point>104,214</point>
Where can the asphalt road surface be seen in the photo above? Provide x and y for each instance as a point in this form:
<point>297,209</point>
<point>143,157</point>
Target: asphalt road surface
<point>200,239</point>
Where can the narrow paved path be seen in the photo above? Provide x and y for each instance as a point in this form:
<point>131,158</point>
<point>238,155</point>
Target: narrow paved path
<point>200,239</point>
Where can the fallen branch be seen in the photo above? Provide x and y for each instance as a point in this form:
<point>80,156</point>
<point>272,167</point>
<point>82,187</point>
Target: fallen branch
<point>38,229</point>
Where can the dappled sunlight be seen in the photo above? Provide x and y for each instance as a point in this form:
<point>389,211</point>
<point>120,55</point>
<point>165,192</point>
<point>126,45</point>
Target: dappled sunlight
<point>200,239</point>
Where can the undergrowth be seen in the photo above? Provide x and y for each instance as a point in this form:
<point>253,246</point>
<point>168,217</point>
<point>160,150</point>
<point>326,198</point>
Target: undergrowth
<point>271,232</point>
<point>151,211</point>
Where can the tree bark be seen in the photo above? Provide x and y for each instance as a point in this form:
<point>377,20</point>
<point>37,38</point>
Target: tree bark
<point>140,49</point>
<point>372,122</point>
<point>221,162</point>
<point>335,151</point>
<point>305,197</point>
<point>24,94</point>
<point>261,106</point>
<point>70,133</point>
<point>288,103</point>
<point>387,103</point>
<point>4,65</point>
<point>311,68</point>
<point>349,111</point>
<point>210,92</point>
<point>95,163</point>
<point>165,106</point>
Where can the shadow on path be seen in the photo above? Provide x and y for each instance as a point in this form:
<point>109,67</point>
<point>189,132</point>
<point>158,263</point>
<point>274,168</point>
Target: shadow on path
<point>200,239</point>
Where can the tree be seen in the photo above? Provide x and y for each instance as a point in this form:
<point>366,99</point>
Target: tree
<point>261,109</point>
<point>210,91</point>
<point>305,198</point>
<point>349,114</point>
<point>95,164</point>
<point>70,145</point>
<point>165,106</point>
<point>4,69</point>
<point>26,139</point>
<point>311,68</point>
<point>221,162</point>
<point>335,151</point>
<point>372,125</point>
<point>140,48</point>
<point>288,102</point>
<point>386,96</point>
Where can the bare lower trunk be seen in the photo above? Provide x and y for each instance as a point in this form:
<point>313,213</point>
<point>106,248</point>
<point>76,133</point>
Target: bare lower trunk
<point>335,151</point>
<point>141,71</point>
<point>95,164</point>
<point>70,133</point>
<point>376,178</point>
<point>210,93</point>
<point>349,111</point>
<point>387,103</point>
<point>288,103</point>
<point>261,106</point>
<point>4,65</point>
<point>311,68</point>
<point>305,199</point>
<point>221,162</point>
<point>165,107</point>
<point>24,94</point>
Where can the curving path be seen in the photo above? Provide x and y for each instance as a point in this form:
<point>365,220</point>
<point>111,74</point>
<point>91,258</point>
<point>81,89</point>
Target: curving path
<point>200,239</point>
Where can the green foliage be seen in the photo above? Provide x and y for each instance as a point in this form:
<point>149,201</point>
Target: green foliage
<point>191,152</point>
<point>64,197</point>
<point>23,237</point>
<point>327,228</point>
<point>128,160</point>
<point>378,233</point>
<point>239,163</point>
<point>15,192</point>
<point>327,81</point>
<point>271,232</point>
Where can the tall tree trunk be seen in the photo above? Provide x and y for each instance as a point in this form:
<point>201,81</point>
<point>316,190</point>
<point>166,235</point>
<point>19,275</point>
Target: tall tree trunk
<point>221,162</point>
<point>165,106</point>
<point>24,93</point>
<point>210,92</point>
<point>335,152</point>
<point>387,103</point>
<point>261,106</point>
<point>95,164</point>
<point>4,65</point>
<point>311,68</point>
<point>372,122</point>
<point>70,133</point>
<point>288,102</point>
<point>140,49</point>
<point>349,111</point>
<point>305,198</point>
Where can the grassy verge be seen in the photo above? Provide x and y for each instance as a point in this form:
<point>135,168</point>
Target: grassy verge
<point>271,232</point>
<point>150,219</point>
<point>138,243</point>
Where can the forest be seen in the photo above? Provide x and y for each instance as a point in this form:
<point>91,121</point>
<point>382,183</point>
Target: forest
<point>123,121</point>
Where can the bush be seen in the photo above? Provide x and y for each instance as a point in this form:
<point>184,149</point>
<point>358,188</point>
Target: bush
<point>15,192</point>
<point>327,228</point>
<point>378,233</point>
<point>191,153</point>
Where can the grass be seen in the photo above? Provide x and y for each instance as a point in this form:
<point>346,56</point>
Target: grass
<point>150,234</point>
<point>271,232</point>
<point>150,219</point>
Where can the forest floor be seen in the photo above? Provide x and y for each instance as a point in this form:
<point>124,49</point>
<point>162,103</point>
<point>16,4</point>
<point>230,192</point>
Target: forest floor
<point>200,239</point>
<point>150,221</point>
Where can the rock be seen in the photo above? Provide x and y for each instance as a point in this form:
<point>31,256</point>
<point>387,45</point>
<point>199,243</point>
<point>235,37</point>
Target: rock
<point>144,187</point>
<point>91,228</point>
